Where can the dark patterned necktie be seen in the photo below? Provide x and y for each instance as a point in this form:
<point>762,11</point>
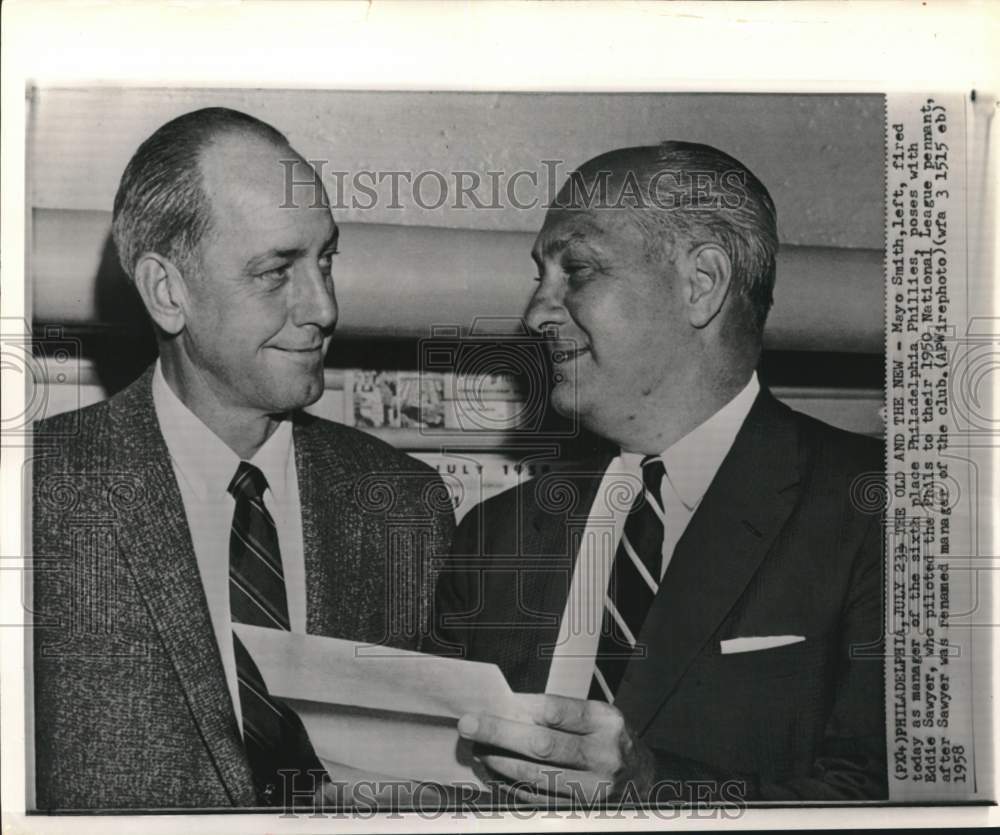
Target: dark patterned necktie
<point>635,580</point>
<point>272,733</point>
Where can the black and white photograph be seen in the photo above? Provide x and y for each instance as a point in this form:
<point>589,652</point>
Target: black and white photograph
<point>470,454</point>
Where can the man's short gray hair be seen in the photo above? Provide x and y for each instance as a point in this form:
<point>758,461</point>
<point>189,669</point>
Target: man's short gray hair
<point>161,205</point>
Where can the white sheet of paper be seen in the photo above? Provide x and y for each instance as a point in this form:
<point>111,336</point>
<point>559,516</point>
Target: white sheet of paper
<point>379,709</point>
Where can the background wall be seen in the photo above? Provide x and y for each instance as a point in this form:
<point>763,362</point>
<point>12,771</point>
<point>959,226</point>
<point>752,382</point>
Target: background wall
<point>820,156</point>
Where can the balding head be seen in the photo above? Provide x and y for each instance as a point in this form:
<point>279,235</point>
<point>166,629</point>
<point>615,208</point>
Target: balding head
<point>161,205</point>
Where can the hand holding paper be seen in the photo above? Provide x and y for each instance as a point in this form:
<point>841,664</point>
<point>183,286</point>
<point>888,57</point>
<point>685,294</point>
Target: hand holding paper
<point>568,748</point>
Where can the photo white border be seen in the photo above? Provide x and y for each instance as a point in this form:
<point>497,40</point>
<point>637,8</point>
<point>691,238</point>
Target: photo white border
<point>731,47</point>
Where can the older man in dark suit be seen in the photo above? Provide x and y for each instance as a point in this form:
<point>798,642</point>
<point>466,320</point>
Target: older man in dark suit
<point>202,496</point>
<point>701,606</point>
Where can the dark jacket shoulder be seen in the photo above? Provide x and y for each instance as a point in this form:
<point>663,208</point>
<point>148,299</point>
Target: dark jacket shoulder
<point>837,453</point>
<point>566,492</point>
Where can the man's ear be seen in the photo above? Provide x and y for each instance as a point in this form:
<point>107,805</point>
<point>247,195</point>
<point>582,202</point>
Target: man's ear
<point>711,278</point>
<point>162,290</point>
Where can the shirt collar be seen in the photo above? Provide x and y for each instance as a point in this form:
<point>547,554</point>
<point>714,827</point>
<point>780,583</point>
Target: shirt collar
<point>692,462</point>
<point>202,458</point>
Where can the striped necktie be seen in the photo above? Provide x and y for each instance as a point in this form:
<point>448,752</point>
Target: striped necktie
<point>635,580</point>
<point>272,733</point>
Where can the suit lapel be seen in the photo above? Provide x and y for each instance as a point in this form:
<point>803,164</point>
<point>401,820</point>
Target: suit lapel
<point>328,526</point>
<point>156,544</point>
<point>739,517</point>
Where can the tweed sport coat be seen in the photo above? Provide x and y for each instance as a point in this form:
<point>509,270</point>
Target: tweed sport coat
<point>131,707</point>
<point>784,543</point>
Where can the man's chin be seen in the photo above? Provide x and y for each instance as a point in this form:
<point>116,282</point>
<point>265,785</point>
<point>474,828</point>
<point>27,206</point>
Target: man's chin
<point>293,397</point>
<point>564,400</point>
<point>313,391</point>
<point>313,396</point>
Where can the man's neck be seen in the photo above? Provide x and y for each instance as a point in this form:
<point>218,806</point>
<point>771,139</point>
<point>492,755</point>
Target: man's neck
<point>662,424</point>
<point>242,430</point>
<point>244,435</point>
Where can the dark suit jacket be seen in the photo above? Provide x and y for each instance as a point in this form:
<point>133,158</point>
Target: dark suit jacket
<point>783,543</point>
<point>131,703</point>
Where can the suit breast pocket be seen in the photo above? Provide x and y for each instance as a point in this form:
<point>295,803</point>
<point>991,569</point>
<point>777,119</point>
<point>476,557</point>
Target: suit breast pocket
<point>803,659</point>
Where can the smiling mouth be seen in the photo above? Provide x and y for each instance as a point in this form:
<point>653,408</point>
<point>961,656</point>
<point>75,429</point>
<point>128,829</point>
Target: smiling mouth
<point>311,354</point>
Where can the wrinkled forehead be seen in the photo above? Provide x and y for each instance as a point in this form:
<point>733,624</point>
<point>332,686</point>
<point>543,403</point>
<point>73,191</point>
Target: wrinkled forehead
<point>598,228</point>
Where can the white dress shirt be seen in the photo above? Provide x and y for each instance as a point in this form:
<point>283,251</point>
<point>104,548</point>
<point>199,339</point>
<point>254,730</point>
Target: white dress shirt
<point>204,466</point>
<point>691,463</point>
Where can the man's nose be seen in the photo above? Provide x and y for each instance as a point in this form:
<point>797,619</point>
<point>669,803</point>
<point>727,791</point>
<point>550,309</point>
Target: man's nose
<point>316,301</point>
<point>545,309</point>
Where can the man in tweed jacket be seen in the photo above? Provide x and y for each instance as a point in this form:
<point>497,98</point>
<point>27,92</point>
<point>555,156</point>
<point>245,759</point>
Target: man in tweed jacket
<point>133,679</point>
